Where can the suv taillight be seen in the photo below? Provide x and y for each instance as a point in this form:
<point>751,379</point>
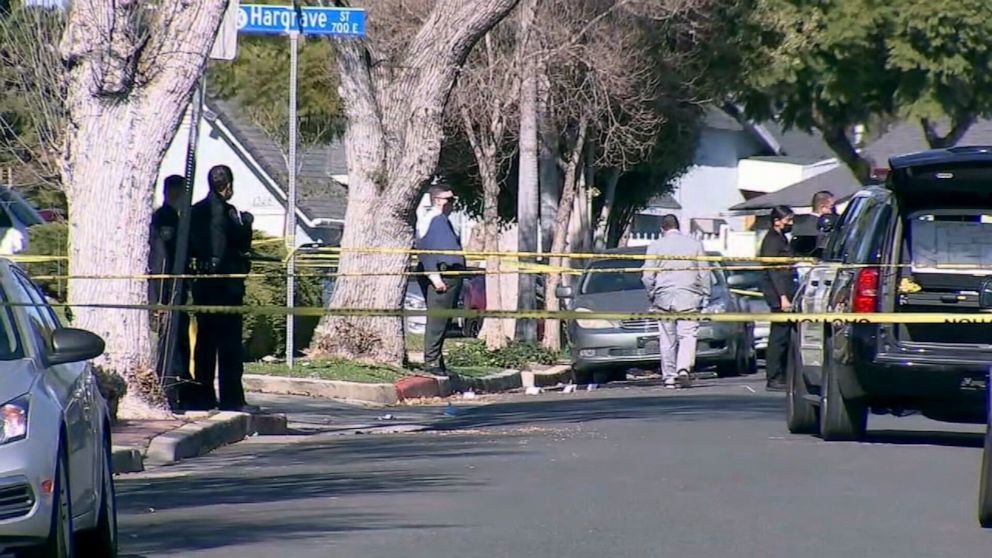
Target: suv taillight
<point>865,297</point>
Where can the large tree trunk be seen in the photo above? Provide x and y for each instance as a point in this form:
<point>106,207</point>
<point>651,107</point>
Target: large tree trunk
<point>528,193</point>
<point>125,104</point>
<point>552,328</point>
<point>394,129</point>
<point>600,238</point>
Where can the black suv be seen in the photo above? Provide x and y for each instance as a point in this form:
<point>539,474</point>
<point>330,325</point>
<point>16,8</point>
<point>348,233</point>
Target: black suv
<point>922,242</point>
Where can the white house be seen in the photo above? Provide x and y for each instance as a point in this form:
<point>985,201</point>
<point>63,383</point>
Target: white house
<point>260,175</point>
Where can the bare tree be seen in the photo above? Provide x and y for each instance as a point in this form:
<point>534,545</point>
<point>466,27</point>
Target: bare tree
<point>395,87</point>
<point>602,90</point>
<point>484,105</point>
<point>131,68</point>
<point>32,120</point>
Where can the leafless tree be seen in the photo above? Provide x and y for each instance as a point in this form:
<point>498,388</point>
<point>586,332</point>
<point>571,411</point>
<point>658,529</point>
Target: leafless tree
<point>484,107</point>
<point>395,86</point>
<point>131,67</point>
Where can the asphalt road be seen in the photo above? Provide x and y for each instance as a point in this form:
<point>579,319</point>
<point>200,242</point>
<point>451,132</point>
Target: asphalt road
<point>627,471</point>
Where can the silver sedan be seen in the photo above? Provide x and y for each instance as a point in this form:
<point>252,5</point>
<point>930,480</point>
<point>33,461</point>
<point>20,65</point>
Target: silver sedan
<point>56,481</point>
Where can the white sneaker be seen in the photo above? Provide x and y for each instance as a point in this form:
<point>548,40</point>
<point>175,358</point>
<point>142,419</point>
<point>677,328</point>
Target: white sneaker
<point>684,379</point>
<point>670,383</point>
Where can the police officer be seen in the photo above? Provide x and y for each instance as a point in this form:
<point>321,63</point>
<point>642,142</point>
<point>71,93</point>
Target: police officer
<point>220,242</point>
<point>435,232</point>
<point>676,286</point>
<point>162,238</point>
<point>778,287</point>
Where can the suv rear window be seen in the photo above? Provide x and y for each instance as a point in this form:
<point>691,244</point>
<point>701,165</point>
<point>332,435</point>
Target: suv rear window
<point>939,240</point>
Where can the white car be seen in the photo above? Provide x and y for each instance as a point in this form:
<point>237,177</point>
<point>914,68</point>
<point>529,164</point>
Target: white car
<point>56,482</point>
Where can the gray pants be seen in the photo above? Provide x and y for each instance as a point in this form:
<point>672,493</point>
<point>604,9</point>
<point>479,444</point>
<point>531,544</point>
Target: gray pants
<point>677,345</point>
<point>437,327</point>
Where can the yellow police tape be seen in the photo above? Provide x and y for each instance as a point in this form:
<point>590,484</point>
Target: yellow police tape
<point>728,317</point>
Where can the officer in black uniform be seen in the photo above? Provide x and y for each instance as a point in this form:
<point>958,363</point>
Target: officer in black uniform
<point>162,238</point>
<point>778,287</point>
<point>220,242</point>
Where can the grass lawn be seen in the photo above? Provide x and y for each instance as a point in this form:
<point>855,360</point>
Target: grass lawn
<point>341,370</point>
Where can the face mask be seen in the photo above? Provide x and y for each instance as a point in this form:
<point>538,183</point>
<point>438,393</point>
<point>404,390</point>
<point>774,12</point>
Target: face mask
<point>787,228</point>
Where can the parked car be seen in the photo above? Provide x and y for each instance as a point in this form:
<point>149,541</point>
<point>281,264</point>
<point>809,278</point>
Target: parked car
<point>608,348</point>
<point>893,250</point>
<point>749,280</point>
<point>474,298</point>
<point>56,482</point>
<point>413,299</point>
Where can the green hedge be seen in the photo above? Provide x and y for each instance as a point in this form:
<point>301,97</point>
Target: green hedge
<point>516,355</point>
<point>263,334</point>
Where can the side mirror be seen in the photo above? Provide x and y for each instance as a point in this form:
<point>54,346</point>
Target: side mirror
<point>74,345</point>
<point>564,292</point>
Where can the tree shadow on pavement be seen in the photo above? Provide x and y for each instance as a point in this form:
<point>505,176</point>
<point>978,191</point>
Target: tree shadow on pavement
<point>299,491</point>
<point>574,410</point>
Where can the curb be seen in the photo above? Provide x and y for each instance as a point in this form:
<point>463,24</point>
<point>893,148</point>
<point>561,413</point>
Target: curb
<point>383,394</point>
<point>552,376</point>
<point>416,387</point>
<point>197,438</point>
<point>500,381</point>
<point>126,460</point>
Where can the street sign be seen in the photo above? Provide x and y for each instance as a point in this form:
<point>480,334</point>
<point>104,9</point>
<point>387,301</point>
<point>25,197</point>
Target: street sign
<point>226,43</point>
<point>278,20</point>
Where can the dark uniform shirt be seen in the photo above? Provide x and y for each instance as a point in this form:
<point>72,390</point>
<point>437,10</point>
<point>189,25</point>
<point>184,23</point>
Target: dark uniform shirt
<point>219,242</point>
<point>777,281</point>
<point>162,237</point>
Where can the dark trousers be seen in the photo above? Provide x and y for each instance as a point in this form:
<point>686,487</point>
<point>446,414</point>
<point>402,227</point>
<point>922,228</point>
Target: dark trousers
<point>177,378</point>
<point>778,350</point>
<point>219,347</point>
<point>437,327</point>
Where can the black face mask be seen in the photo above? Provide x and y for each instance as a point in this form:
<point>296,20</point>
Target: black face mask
<point>786,229</point>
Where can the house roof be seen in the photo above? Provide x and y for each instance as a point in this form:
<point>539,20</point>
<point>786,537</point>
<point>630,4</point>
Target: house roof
<point>839,180</point>
<point>664,201</point>
<point>319,195</point>
<point>907,137</point>
<point>800,144</point>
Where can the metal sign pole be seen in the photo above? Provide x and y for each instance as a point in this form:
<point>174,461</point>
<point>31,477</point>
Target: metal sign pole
<point>294,40</point>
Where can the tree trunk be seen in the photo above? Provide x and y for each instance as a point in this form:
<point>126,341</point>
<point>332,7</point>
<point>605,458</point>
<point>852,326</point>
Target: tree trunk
<point>836,138</point>
<point>394,129</point>
<point>609,196</point>
<point>492,328</point>
<point>121,122</point>
<point>552,328</point>
<point>528,192</point>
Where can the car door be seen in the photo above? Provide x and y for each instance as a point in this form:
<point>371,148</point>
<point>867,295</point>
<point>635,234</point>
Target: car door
<point>78,388</point>
<point>819,282</point>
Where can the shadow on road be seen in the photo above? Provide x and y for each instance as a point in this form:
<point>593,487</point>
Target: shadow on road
<point>574,410</point>
<point>926,438</point>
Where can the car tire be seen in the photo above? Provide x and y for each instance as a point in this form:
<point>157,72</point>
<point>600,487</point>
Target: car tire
<point>581,377</point>
<point>473,326</point>
<point>985,482</point>
<point>840,419</point>
<point>735,367</point>
<point>60,542</point>
<point>101,541</point>
<point>800,413</point>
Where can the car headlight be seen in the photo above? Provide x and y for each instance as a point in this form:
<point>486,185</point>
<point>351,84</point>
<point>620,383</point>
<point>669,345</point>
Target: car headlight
<point>595,324</point>
<point>415,304</point>
<point>15,420</point>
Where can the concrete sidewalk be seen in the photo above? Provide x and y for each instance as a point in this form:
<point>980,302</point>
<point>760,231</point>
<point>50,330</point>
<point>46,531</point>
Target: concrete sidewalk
<point>311,415</point>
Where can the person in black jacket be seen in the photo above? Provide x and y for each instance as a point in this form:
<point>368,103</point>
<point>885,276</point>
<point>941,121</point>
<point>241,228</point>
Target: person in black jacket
<point>163,240</point>
<point>220,242</point>
<point>435,232</point>
<point>778,288</point>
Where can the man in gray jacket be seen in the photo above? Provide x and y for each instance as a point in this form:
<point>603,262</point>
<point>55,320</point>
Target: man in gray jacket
<point>676,285</point>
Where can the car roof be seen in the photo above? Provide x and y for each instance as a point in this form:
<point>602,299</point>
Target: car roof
<point>962,154</point>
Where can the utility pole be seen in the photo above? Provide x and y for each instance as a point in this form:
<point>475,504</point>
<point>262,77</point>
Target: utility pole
<point>294,43</point>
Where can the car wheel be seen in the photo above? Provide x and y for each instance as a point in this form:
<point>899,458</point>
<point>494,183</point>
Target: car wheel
<point>581,377</point>
<point>800,413</point>
<point>733,367</point>
<point>985,482</point>
<point>840,419</point>
<point>101,541</point>
<point>60,542</point>
<point>473,326</point>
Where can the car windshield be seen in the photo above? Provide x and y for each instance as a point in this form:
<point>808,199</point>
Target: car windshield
<point>596,282</point>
